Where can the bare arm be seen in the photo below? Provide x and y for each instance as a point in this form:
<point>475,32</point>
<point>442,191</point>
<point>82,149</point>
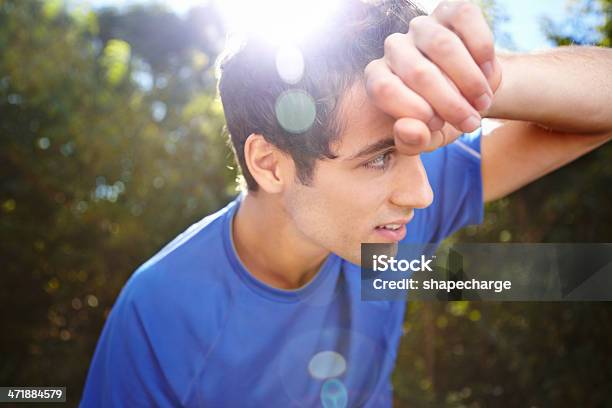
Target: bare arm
<point>516,153</point>
<point>568,89</point>
<point>558,108</point>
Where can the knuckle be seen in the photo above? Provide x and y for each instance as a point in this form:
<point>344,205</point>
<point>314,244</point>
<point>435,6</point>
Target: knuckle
<point>441,42</point>
<point>466,9</point>
<point>393,41</point>
<point>417,22</point>
<point>370,68</point>
<point>446,3</point>
<point>380,88</point>
<point>420,74</point>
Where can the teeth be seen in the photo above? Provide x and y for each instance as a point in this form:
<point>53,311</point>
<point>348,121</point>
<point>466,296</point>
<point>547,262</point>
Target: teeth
<point>391,226</point>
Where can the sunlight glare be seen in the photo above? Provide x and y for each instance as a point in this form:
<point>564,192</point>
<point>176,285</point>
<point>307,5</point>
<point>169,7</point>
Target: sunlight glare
<point>279,21</point>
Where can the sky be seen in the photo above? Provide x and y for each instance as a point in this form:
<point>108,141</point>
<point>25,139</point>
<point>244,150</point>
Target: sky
<point>523,26</point>
<point>524,21</point>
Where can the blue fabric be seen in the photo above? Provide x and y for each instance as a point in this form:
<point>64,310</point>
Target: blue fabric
<point>193,328</point>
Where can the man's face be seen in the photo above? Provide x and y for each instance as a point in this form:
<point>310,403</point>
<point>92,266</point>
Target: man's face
<point>357,197</point>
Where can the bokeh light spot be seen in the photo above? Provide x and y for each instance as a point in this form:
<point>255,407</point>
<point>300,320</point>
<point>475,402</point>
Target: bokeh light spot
<point>92,301</point>
<point>326,364</point>
<point>505,236</point>
<point>158,111</point>
<point>9,205</point>
<point>44,143</point>
<point>77,304</point>
<point>474,315</point>
<point>65,335</point>
<point>333,394</point>
<point>295,111</point>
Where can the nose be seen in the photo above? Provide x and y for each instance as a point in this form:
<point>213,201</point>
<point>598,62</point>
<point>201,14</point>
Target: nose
<point>411,186</point>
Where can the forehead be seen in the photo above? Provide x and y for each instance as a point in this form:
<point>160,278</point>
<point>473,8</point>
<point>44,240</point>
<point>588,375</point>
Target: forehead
<point>361,122</point>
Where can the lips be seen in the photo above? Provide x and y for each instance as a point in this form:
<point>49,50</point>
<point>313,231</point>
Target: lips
<point>395,224</point>
<point>389,234</point>
<point>393,231</point>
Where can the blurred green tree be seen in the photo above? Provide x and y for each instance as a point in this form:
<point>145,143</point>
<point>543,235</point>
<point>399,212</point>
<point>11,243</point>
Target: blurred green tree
<point>111,142</point>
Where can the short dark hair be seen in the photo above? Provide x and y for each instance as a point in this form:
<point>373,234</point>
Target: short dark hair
<point>334,57</point>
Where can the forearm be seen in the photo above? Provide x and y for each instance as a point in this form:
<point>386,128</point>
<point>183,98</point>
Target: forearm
<point>567,89</point>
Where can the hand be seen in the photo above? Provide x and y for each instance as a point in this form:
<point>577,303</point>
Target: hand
<point>444,70</point>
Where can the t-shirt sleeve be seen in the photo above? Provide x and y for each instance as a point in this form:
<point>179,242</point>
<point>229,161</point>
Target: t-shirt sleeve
<point>455,175</point>
<point>124,371</point>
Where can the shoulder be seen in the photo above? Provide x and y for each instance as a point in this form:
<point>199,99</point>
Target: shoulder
<point>185,278</point>
<point>193,248</point>
<point>192,255</point>
<point>164,322</point>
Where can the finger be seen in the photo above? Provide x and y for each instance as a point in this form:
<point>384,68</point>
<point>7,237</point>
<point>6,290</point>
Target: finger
<point>445,49</point>
<point>445,136</point>
<point>391,95</point>
<point>436,141</point>
<point>436,123</point>
<point>466,19</point>
<point>411,136</point>
<point>426,79</point>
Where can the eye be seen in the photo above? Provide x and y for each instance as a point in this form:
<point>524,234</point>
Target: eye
<point>380,162</point>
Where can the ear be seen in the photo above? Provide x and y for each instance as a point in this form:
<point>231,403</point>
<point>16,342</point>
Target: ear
<point>266,163</point>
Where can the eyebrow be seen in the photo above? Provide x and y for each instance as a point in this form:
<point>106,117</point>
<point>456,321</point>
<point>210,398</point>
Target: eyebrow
<point>373,148</point>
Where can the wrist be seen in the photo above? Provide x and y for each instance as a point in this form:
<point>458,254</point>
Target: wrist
<point>504,87</point>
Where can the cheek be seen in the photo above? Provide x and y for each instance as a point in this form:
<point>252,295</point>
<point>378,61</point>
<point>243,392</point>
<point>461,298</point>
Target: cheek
<point>358,200</point>
<point>343,211</point>
<point>314,215</point>
<point>315,212</point>
<point>341,206</point>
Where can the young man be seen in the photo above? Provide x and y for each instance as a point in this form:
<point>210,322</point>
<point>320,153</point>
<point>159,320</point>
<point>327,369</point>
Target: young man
<point>259,304</point>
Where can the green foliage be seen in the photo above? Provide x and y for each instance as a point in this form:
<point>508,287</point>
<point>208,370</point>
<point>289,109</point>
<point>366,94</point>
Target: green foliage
<point>107,152</point>
<point>115,59</point>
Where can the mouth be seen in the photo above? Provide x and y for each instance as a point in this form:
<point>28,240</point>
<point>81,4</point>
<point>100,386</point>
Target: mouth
<point>392,232</point>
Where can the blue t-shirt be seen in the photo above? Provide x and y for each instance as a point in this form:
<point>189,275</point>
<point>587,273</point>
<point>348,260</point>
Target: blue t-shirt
<point>192,327</point>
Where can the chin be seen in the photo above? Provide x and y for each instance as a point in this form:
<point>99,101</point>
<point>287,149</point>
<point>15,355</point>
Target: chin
<point>354,256</point>
<point>375,248</point>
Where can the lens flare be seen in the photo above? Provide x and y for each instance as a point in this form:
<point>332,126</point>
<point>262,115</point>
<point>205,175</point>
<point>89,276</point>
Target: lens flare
<point>326,364</point>
<point>334,394</point>
<point>295,111</point>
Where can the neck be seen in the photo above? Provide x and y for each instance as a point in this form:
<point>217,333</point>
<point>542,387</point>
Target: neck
<point>269,245</point>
